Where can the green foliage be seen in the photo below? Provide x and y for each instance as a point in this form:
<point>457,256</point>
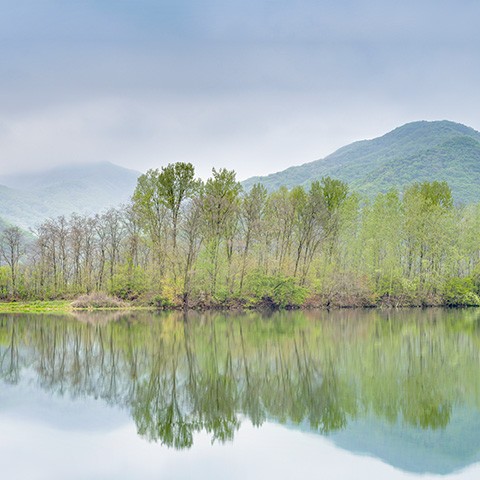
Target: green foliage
<point>275,291</point>
<point>161,302</point>
<point>4,281</point>
<point>429,195</point>
<point>212,245</point>
<point>220,199</point>
<point>129,282</point>
<point>419,151</point>
<point>335,193</point>
<point>176,182</point>
<point>167,188</point>
<point>461,292</point>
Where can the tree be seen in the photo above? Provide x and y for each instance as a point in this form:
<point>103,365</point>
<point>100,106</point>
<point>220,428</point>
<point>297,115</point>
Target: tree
<point>428,226</point>
<point>280,214</point>
<point>149,204</point>
<point>253,211</point>
<point>162,193</point>
<point>335,193</point>
<point>176,183</point>
<point>382,239</point>
<point>192,235</point>
<point>220,199</point>
<point>310,226</point>
<point>12,247</point>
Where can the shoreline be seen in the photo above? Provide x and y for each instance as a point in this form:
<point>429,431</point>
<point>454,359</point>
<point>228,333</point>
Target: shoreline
<point>65,307</point>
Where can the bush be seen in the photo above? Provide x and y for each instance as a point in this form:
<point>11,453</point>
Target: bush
<point>129,284</point>
<point>160,302</point>
<point>460,292</point>
<point>97,300</point>
<point>276,291</point>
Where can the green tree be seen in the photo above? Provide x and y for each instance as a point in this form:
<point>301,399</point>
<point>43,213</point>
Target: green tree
<point>158,199</point>
<point>335,194</point>
<point>429,223</point>
<point>220,202</point>
<point>253,211</point>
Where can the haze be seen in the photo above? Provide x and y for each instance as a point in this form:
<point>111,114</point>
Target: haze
<point>256,86</point>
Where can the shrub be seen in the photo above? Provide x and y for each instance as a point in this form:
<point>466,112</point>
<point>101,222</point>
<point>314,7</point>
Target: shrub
<point>276,291</point>
<point>129,284</point>
<point>160,302</point>
<point>460,292</point>
<point>97,300</point>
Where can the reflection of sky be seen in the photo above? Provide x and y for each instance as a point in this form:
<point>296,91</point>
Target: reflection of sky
<point>56,437</point>
<point>26,403</point>
<point>269,452</point>
<point>251,85</point>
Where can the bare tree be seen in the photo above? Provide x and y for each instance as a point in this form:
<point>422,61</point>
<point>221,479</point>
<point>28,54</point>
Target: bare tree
<point>12,247</point>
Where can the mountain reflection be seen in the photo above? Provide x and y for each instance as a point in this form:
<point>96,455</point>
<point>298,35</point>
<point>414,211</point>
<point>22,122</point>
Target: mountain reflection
<point>178,375</point>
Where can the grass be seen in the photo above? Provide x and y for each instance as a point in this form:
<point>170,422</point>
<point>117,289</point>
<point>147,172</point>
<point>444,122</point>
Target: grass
<point>67,306</point>
<point>57,306</point>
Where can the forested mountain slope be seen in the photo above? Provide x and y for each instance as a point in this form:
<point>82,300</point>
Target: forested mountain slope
<point>419,151</point>
<point>27,199</point>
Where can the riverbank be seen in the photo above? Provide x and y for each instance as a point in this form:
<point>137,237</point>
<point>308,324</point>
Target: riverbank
<point>68,306</point>
<point>58,306</point>
<point>49,306</point>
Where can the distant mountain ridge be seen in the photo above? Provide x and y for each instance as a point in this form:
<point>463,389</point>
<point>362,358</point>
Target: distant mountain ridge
<point>418,151</point>
<point>27,199</point>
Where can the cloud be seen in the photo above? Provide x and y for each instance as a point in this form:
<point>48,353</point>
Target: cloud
<point>255,86</point>
<point>244,133</point>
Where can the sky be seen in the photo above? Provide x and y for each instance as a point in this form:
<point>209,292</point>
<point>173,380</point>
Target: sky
<point>250,85</point>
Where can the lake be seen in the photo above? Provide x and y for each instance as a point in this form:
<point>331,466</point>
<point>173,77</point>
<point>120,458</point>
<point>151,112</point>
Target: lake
<point>365,394</point>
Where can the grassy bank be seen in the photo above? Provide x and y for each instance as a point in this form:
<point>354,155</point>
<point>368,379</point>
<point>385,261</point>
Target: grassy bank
<point>57,306</point>
<point>50,306</point>
<point>104,302</point>
<point>95,301</point>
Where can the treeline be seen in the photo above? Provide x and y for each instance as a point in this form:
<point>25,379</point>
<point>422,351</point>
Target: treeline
<point>185,242</point>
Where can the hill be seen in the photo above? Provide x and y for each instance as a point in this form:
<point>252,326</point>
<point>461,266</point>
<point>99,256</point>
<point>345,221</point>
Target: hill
<point>418,151</point>
<point>27,199</point>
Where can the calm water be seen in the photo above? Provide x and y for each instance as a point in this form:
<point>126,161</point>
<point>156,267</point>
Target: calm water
<point>347,394</point>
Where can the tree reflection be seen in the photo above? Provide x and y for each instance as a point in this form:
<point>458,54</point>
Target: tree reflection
<point>179,375</point>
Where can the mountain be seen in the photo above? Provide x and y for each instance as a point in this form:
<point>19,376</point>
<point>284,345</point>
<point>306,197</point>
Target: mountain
<point>418,151</point>
<point>27,199</point>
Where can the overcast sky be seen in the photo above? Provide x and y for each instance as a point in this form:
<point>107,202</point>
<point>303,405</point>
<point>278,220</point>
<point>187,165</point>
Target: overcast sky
<point>253,85</point>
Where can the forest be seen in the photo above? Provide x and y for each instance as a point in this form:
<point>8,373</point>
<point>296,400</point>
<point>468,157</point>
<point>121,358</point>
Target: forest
<point>184,242</point>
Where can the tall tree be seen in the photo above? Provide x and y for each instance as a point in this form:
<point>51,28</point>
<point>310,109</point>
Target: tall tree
<point>12,247</point>
<point>253,210</point>
<point>176,182</point>
<point>220,202</point>
<point>428,218</point>
<point>159,193</point>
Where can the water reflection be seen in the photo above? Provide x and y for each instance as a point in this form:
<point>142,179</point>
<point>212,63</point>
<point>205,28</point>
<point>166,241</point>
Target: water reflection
<point>321,371</point>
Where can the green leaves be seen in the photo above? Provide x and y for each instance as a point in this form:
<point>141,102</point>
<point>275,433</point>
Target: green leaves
<point>461,292</point>
<point>275,291</point>
<point>220,199</point>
